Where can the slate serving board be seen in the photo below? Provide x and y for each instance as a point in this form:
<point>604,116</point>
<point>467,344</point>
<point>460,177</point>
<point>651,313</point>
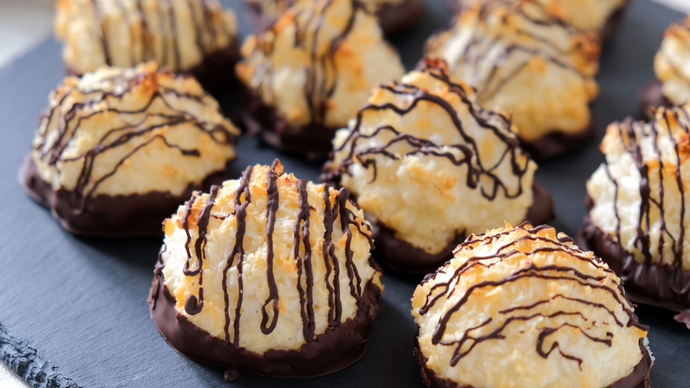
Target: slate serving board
<point>74,309</point>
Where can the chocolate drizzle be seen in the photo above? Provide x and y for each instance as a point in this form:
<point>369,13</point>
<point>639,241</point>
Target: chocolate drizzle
<point>163,43</point>
<point>490,59</point>
<point>237,251</point>
<point>394,17</point>
<point>99,104</point>
<point>329,352</point>
<point>440,292</point>
<point>306,292</point>
<point>333,212</point>
<point>606,32</point>
<point>653,95</point>
<point>101,32</point>
<point>271,210</point>
<point>334,306</point>
<point>638,378</point>
<point>318,93</point>
<point>393,144</point>
<point>470,151</point>
<point>193,305</point>
<point>322,70</point>
<point>475,52</point>
<point>648,276</point>
<point>312,138</point>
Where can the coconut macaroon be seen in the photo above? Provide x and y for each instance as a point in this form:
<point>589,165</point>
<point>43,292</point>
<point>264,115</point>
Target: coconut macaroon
<point>527,63</point>
<point>602,17</point>
<point>196,36</point>
<point>119,149</point>
<point>311,71</point>
<point>429,166</point>
<point>671,65</point>
<point>269,274</point>
<point>524,307</point>
<point>394,16</point>
<point>637,202</point>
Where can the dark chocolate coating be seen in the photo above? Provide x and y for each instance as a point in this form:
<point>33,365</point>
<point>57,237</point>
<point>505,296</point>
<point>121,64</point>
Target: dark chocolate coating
<point>613,23</point>
<point>393,18</point>
<point>430,378</point>
<point>329,352</point>
<point>396,18</point>
<point>402,256</point>
<point>109,216</point>
<point>639,378</point>
<point>646,283</point>
<point>312,140</point>
<point>652,96</point>
<point>215,73</point>
<point>556,143</point>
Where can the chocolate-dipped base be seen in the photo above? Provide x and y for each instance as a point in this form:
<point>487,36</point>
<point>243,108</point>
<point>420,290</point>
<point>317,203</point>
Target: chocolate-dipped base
<point>132,215</point>
<point>638,378</point>
<point>652,96</point>
<point>329,352</point>
<point>393,18</point>
<point>214,73</point>
<point>313,141</point>
<point>402,256</point>
<point>396,18</point>
<point>654,284</point>
<point>556,143</point>
<point>613,23</point>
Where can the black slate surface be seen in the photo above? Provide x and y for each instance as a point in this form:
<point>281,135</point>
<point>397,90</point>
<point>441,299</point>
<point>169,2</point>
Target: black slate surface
<point>74,309</point>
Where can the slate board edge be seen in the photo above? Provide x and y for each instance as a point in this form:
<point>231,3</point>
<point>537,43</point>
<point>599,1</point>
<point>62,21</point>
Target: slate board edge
<point>24,360</point>
<point>17,354</point>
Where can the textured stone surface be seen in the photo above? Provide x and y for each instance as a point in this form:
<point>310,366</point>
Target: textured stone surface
<point>27,364</point>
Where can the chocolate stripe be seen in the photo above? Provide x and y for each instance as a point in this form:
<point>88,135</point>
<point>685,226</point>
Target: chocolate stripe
<point>563,274</point>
